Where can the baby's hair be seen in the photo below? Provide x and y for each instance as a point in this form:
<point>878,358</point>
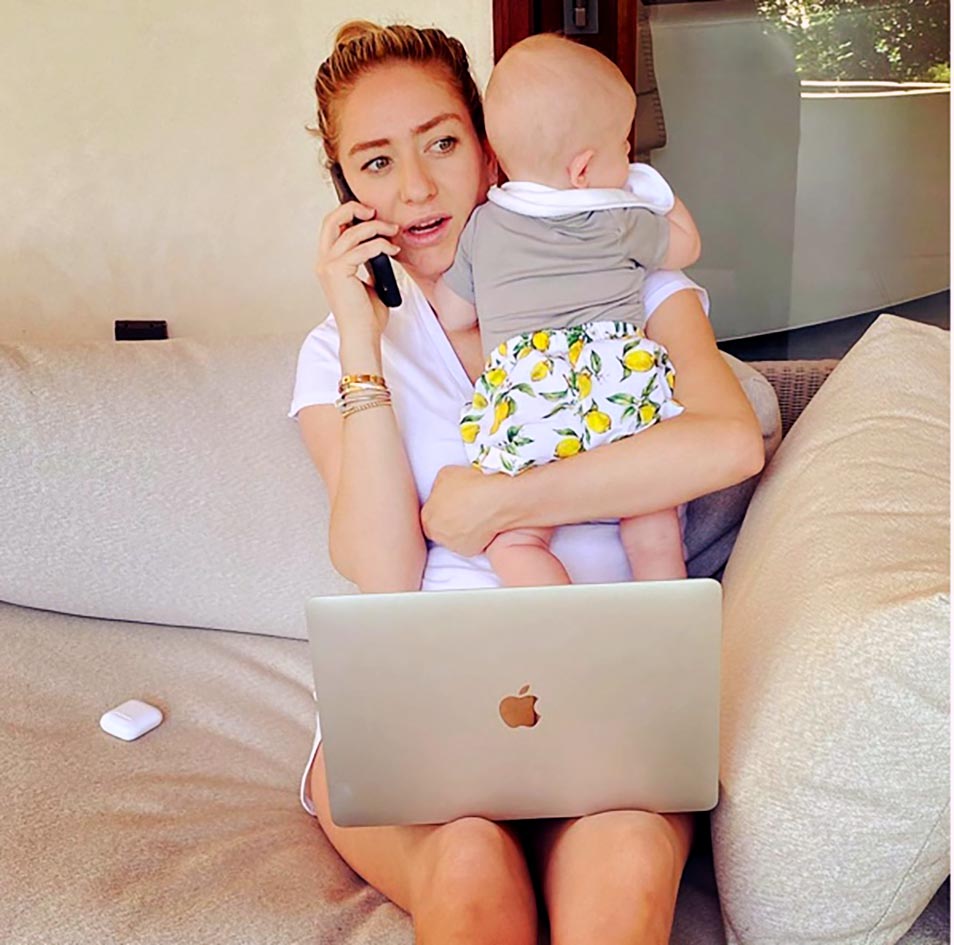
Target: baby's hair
<point>528,132</point>
<point>360,45</point>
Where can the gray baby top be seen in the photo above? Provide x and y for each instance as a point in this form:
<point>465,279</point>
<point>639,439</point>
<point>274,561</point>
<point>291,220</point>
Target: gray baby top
<point>528,273</point>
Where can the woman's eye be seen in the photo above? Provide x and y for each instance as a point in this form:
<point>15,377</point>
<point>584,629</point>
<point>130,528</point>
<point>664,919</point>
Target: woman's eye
<point>375,164</point>
<point>444,145</point>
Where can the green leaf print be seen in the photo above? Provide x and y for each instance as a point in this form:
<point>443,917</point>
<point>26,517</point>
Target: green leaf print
<point>554,394</point>
<point>522,441</point>
<point>648,389</point>
<point>506,464</point>
<point>621,399</point>
<point>565,431</point>
<point>596,362</point>
<point>524,389</point>
<point>513,433</point>
<point>627,413</point>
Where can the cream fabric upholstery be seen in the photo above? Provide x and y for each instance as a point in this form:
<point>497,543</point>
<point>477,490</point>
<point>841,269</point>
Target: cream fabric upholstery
<point>160,482</point>
<point>191,835</point>
<point>152,482</point>
<point>163,482</point>
<point>833,824</point>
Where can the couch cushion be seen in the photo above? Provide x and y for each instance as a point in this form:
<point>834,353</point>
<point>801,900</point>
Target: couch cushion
<point>833,822</point>
<point>160,482</point>
<point>193,833</point>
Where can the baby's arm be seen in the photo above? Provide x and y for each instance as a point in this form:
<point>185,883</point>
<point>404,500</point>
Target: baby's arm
<point>453,312</point>
<point>454,293</point>
<point>685,243</point>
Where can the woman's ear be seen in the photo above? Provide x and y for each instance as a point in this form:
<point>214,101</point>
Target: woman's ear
<point>579,167</point>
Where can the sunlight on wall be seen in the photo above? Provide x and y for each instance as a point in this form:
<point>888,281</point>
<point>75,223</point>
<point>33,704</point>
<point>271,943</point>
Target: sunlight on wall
<point>159,164</point>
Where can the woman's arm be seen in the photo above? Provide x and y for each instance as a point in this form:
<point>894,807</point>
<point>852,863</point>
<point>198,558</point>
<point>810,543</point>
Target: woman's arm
<point>714,443</point>
<point>375,538</point>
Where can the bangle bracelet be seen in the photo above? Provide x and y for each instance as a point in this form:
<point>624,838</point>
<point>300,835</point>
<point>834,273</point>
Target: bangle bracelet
<point>373,403</point>
<point>360,379</point>
<point>351,397</point>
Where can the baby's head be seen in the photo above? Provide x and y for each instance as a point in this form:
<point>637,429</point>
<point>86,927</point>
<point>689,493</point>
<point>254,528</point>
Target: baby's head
<point>558,113</point>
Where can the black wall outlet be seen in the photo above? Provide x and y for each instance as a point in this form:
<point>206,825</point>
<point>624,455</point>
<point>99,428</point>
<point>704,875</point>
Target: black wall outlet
<point>130,330</point>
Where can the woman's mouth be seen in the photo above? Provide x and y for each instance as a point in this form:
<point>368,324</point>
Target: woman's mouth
<point>426,231</point>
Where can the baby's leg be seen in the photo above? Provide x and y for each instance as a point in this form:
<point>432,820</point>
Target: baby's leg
<point>522,558</point>
<point>653,545</point>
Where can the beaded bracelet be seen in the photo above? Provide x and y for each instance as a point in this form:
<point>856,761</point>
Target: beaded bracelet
<point>358,408</point>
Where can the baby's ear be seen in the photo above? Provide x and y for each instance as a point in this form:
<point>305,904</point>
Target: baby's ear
<point>579,168</point>
<point>493,166</point>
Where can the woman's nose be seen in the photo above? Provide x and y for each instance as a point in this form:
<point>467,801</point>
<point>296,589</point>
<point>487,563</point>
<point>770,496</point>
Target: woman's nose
<point>417,185</point>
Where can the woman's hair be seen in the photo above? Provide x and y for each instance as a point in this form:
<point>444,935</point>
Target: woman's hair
<point>361,45</point>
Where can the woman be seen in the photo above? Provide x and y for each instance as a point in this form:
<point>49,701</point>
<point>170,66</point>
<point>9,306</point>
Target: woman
<point>398,109</point>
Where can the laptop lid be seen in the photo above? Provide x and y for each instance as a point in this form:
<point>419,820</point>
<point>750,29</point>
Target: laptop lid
<point>519,702</point>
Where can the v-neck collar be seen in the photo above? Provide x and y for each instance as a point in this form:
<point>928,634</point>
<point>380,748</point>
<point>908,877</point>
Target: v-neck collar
<point>439,341</point>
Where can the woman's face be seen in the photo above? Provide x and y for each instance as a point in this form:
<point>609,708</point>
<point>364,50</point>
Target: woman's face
<point>408,149</point>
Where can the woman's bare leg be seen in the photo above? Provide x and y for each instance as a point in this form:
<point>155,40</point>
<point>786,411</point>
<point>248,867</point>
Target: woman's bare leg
<point>611,878</point>
<point>462,882</point>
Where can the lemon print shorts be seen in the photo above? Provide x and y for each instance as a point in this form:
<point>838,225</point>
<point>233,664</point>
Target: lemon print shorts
<point>547,395</point>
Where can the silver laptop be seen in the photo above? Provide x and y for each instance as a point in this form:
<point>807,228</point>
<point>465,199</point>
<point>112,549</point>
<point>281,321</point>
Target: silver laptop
<point>519,702</point>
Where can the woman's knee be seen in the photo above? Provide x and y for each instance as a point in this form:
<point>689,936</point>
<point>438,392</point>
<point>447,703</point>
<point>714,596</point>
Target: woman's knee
<point>476,868</point>
<point>467,852</point>
<point>651,849</point>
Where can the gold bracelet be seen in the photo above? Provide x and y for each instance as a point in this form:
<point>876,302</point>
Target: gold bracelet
<point>360,379</point>
<point>353,396</point>
<point>373,403</point>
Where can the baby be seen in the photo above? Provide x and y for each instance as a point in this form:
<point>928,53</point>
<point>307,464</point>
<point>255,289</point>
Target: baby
<point>552,269</point>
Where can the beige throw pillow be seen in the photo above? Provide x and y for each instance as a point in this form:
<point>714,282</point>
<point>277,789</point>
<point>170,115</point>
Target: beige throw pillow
<point>833,822</point>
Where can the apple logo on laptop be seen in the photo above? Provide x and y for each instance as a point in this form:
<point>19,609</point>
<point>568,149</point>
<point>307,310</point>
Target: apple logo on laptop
<point>519,710</point>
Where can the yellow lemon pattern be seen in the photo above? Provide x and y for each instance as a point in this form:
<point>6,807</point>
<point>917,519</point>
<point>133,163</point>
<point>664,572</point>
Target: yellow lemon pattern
<point>540,340</point>
<point>551,394</point>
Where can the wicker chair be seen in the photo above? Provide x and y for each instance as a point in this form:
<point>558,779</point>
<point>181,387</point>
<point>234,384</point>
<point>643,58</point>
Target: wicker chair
<point>795,383</point>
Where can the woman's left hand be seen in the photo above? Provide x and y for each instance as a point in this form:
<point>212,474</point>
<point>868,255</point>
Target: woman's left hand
<point>460,511</point>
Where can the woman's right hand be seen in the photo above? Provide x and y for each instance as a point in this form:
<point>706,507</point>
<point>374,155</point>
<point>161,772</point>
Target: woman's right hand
<point>342,250</point>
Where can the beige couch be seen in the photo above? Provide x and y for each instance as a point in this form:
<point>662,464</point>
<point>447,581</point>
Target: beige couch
<point>162,528</point>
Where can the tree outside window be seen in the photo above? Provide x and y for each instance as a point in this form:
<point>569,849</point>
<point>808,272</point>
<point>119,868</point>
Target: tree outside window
<point>852,40</point>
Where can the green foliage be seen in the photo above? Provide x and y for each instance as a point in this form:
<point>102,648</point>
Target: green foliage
<point>901,41</point>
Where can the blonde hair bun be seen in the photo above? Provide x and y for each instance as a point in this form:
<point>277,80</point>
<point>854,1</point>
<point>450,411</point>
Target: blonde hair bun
<point>356,29</point>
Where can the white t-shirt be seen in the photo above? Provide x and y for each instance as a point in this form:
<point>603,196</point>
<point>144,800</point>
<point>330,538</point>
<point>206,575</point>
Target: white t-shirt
<point>429,386</point>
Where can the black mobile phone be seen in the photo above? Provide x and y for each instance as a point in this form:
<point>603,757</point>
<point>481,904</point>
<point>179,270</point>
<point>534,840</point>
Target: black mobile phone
<point>382,273</point>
